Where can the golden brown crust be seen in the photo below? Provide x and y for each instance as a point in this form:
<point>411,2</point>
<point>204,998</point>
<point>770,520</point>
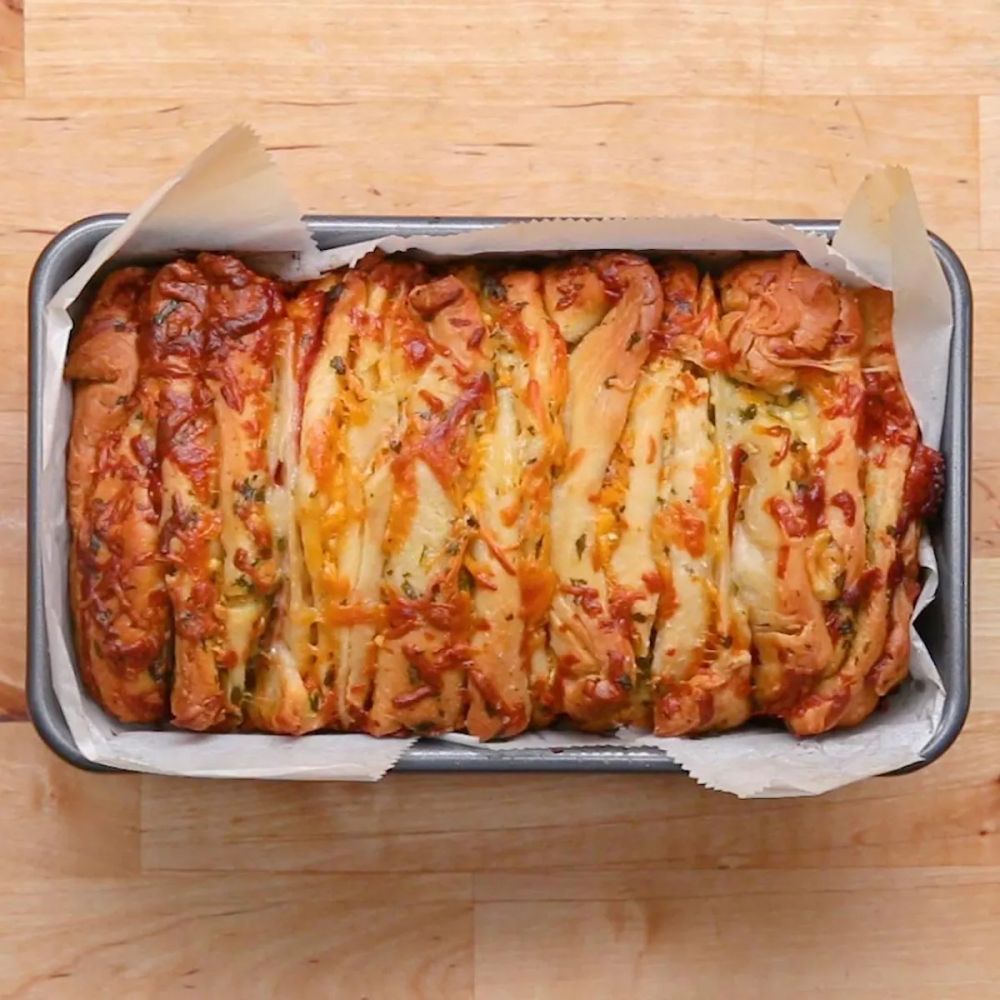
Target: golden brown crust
<point>595,660</point>
<point>116,575</point>
<point>779,315</point>
<point>701,660</point>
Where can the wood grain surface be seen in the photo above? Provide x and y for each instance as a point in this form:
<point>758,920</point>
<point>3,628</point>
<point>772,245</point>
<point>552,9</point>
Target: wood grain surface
<point>502,886</point>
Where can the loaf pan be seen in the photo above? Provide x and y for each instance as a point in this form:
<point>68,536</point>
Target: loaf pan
<point>944,625</point>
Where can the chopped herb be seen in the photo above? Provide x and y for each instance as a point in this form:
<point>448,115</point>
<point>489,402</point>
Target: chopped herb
<point>314,700</point>
<point>575,581</point>
<point>466,581</point>
<point>246,583</point>
<point>337,364</point>
<point>451,549</point>
<point>845,626</point>
<point>408,590</point>
<point>624,682</point>
<point>414,674</point>
<point>158,668</point>
<point>121,400</point>
<point>251,493</point>
<point>633,340</point>
<point>171,305</point>
<point>794,396</point>
<point>95,544</point>
<point>493,288</point>
<point>748,412</point>
<point>471,521</point>
<point>581,546</point>
<point>639,618</point>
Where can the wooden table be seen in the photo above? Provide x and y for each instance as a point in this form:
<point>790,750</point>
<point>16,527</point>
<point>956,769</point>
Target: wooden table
<point>517,886</point>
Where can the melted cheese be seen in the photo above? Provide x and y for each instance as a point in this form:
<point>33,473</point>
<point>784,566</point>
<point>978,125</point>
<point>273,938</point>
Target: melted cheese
<point>481,498</point>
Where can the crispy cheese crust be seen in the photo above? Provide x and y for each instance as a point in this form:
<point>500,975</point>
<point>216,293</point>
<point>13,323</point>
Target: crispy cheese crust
<point>117,575</point>
<point>423,499</point>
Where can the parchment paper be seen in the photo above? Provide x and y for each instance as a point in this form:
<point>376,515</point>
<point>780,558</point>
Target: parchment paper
<point>231,197</point>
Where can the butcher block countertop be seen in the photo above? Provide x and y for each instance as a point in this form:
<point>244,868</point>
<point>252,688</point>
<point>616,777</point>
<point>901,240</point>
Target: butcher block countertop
<point>497,886</point>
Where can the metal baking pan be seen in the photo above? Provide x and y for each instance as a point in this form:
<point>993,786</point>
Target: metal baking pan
<point>944,625</point>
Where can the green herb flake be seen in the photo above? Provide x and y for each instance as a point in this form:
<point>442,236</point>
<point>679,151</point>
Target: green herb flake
<point>466,581</point>
<point>337,364</point>
<point>408,590</point>
<point>170,306</point>
<point>493,288</point>
<point>581,546</point>
<point>314,700</point>
<point>250,492</point>
<point>748,412</point>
